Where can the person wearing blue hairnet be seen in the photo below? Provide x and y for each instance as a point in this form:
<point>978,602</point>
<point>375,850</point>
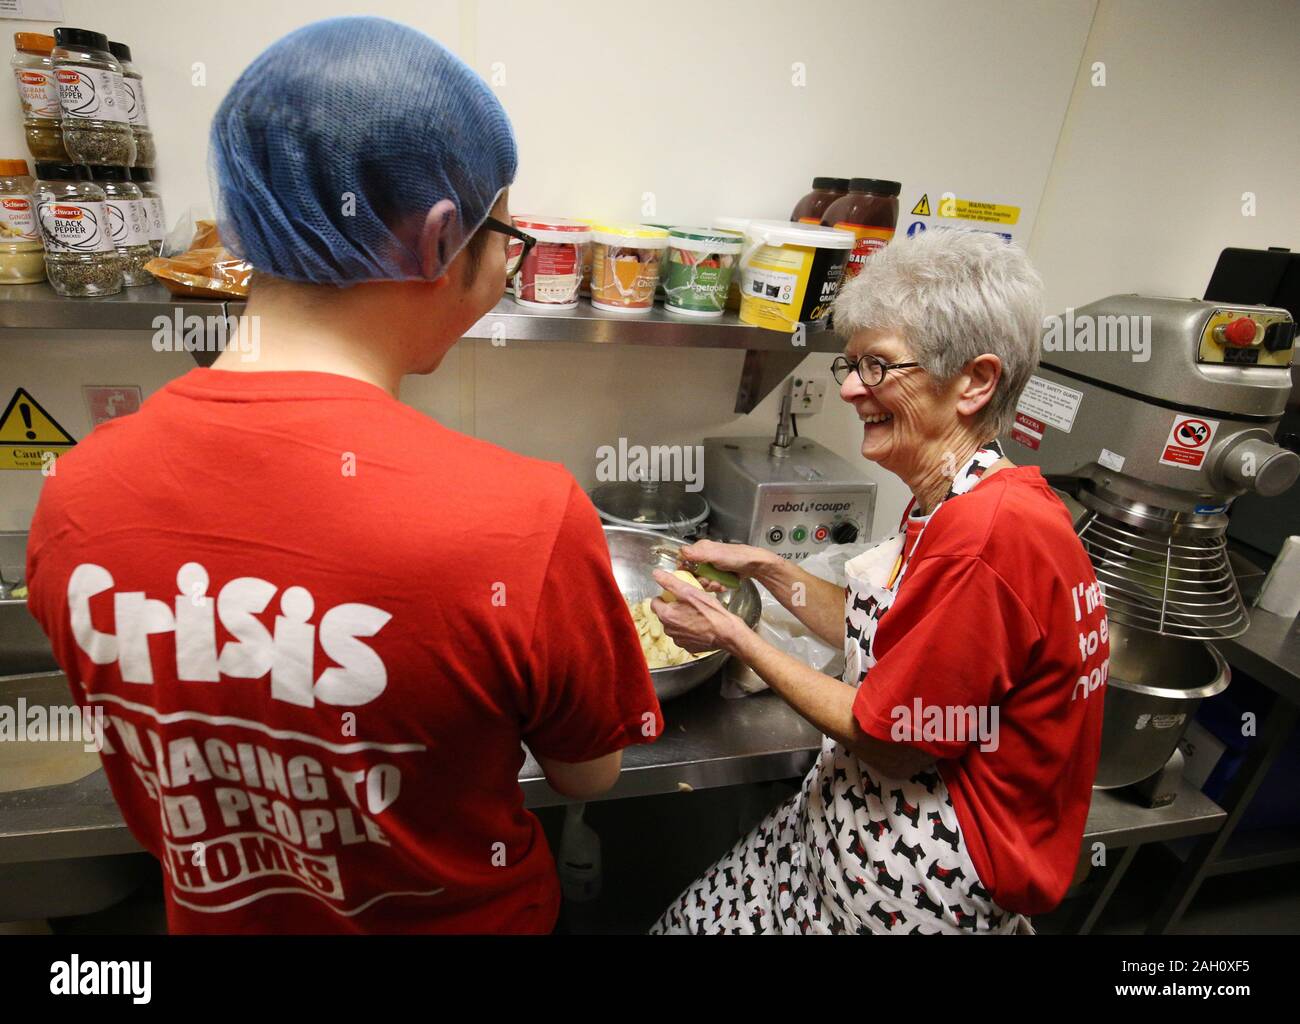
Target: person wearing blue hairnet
<point>321,623</point>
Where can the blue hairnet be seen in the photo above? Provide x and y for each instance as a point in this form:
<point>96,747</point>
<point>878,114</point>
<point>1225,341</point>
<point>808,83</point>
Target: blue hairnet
<point>362,108</point>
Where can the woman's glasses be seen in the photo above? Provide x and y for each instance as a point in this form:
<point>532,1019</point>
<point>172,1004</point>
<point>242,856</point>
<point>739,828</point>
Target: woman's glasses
<point>518,247</point>
<point>870,369</point>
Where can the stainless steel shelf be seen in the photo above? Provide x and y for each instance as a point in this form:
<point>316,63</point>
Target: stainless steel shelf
<point>769,355</point>
<point>38,306</point>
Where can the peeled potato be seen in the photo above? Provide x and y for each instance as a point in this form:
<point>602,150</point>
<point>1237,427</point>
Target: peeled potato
<point>658,647</point>
<point>685,577</point>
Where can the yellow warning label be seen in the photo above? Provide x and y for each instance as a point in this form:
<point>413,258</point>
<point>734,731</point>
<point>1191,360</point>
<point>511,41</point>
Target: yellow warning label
<point>30,438</point>
<point>970,209</point>
<point>922,207</point>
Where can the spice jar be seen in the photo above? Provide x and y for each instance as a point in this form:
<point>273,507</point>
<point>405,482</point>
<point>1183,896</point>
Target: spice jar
<point>128,222</point>
<point>625,266</point>
<point>143,177</point>
<point>79,254</point>
<point>136,114</point>
<point>550,273</point>
<point>95,128</point>
<point>38,91</point>
<point>22,257</point>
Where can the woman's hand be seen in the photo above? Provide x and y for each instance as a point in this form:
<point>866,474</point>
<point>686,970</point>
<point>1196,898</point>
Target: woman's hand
<point>742,559</point>
<point>696,620</point>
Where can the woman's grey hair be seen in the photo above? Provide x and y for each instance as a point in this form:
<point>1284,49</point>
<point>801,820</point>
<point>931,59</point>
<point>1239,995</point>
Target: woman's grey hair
<point>953,295</point>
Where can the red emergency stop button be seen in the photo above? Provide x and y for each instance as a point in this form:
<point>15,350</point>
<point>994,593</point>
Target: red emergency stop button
<point>1240,332</point>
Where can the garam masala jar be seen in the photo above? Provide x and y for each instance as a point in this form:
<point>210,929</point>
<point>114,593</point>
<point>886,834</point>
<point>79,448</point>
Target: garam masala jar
<point>38,91</point>
<point>80,258</point>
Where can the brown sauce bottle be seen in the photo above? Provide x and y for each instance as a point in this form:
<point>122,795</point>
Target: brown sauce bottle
<point>810,208</point>
<point>870,212</point>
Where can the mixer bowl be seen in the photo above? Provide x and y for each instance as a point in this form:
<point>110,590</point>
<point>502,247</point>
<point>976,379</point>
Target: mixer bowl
<point>1155,685</point>
<point>634,554</point>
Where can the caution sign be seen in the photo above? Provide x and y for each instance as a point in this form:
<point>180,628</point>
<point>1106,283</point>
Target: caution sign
<point>1189,440</point>
<point>30,438</point>
<point>980,212</point>
<point>922,207</point>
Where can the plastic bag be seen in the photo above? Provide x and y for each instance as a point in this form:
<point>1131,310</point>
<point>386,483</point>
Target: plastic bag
<point>786,633</point>
<point>206,269</point>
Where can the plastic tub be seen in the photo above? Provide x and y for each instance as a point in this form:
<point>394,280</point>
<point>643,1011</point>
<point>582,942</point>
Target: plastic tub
<point>738,225</point>
<point>790,273</point>
<point>550,274</point>
<point>625,266</point>
<point>698,268</point>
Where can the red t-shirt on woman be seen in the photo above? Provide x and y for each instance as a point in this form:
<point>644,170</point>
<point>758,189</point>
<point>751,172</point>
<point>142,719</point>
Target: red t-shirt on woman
<point>999,608</point>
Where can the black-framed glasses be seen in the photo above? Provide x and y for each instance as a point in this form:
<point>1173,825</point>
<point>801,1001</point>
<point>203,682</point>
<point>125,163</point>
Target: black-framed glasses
<point>871,369</point>
<point>518,247</point>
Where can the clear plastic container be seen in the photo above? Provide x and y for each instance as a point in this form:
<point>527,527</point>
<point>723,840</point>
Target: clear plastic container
<point>143,177</point>
<point>137,115</point>
<point>38,91</point>
<point>22,256</point>
<point>625,266</point>
<point>93,98</point>
<point>128,222</point>
<point>79,255</point>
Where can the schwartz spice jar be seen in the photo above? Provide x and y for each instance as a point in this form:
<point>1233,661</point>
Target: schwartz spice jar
<point>697,269</point>
<point>79,255</point>
<point>93,98</point>
<point>552,271</point>
<point>625,262</point>
<point>22,256</point>
<point>38,91</point>
<point>128,222</point>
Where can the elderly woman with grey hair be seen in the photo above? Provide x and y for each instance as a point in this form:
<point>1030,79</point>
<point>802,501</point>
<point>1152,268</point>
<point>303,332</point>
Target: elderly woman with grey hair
<point>961,741</point>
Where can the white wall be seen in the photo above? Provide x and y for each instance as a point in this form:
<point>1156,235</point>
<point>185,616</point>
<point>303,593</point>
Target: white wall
<point>1201,104</point>
<point>695,103</point>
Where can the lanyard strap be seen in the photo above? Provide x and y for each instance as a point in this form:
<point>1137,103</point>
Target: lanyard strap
<point>964,480</point>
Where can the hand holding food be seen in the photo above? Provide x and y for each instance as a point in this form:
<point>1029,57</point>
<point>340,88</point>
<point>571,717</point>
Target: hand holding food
<point>695,620</point>
<point>739,560</point>
<point>658,647</point>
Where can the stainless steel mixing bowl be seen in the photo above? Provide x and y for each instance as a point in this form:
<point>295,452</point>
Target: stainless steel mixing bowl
<point>635,554</point>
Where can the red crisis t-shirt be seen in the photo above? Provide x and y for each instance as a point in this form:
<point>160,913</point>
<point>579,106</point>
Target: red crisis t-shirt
<point>999,607</point>
<point>320,625</point>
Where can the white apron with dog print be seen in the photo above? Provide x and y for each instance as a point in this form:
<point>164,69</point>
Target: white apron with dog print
<point>853,851</point>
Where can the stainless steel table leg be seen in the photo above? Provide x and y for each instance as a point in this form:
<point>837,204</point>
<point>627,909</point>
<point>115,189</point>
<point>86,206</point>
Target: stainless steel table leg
<point>1263,752</point>
<point>1108,890</point>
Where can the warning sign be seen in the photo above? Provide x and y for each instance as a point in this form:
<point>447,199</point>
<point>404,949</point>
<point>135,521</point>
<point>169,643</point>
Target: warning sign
<point>1189,440</point>
<point>1028,431</point>
<point>922,207</point>
<point>970,209</point>
<point>29,436</point>
<point>106,401</point>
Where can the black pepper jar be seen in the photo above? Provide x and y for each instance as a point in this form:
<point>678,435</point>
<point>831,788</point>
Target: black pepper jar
<point>96,129</point>
<point>80,259</point>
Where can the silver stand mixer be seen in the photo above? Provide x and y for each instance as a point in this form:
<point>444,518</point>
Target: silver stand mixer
<point>1150,416</point>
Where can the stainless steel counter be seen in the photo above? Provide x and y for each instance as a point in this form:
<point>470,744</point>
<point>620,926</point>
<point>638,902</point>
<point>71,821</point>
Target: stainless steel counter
<point>1270,651</point>
<point>708,742</point>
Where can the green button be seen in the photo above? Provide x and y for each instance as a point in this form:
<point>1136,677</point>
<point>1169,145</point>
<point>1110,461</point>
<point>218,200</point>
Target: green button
<point>799,534</point>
